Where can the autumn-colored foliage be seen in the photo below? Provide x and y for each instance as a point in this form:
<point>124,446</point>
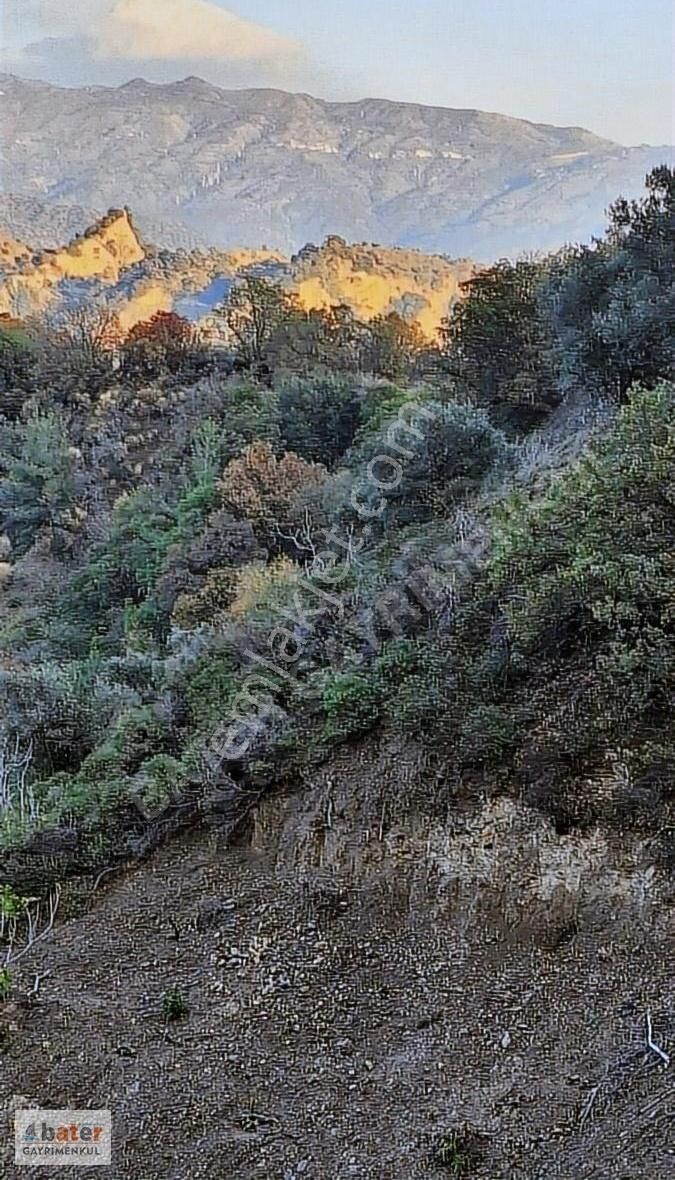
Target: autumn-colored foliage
<point>263,488</point>
<point>164,328</point>
<point>161,343</point>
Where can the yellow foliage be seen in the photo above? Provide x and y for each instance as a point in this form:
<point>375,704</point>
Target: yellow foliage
<point>261,488</point>
<point>255,584</point>
<point>210,602</point>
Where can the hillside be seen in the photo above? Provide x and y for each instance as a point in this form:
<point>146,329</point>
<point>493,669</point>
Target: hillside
<point>373,280</point>
<point>110,266</point>
<point>264,167</point>
<point>337,670</point>
<point>30,282</point>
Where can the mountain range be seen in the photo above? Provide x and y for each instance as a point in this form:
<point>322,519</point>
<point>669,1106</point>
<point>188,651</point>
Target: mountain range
<point>254,168</point>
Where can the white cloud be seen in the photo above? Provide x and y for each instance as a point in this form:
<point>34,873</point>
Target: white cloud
<point>106,32</point>
<point>170,30</point>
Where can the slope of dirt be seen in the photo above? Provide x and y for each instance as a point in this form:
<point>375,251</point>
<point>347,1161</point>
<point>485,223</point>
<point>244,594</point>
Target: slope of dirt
<point>359,983</point>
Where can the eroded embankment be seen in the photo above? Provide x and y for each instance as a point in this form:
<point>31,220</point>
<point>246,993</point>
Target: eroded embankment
<point>362,978</point>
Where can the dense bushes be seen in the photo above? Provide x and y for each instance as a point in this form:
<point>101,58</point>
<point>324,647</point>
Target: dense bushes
<point>498,343</point>
<point>612,306</point>
<point>320,415</point>
<point>588,571</point>
<point>600,541</point>
<point>320,553</point>
<point>426,459</point>
<point>598,317</point>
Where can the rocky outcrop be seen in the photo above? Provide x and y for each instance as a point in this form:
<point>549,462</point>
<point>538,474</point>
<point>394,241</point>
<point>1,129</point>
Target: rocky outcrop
<point>103,253</point>
<point>109,264</point>
<point>373,280</point>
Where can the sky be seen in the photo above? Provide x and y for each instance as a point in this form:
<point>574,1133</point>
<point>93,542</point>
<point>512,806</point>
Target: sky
<point>601,64</point>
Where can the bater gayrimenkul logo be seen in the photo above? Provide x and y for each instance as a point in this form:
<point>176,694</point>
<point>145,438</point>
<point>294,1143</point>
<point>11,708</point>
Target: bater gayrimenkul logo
<point>62,1138</point>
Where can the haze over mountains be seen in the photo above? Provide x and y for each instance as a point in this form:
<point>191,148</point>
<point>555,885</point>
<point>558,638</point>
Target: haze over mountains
<point>201,165</point>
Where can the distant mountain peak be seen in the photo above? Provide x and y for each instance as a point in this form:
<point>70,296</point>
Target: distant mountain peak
<point>136,84</point>
<point>195,86</point>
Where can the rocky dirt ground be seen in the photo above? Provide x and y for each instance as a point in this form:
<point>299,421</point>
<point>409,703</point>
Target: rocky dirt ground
<point>353,995</point>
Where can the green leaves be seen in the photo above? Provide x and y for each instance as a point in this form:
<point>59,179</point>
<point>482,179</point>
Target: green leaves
<point>351,703</point>
<point>5,983</point>
<point>587,572</point>
<point>39,488</point>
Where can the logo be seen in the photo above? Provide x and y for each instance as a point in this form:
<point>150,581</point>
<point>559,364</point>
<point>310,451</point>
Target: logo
<point>62,1137</point>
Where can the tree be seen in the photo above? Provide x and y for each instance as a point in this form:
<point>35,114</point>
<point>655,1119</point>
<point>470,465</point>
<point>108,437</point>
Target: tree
<point>91,333</point>
<point>393,346</point>
<point>40,486</point>
<point>75,353</point>
<point>253,313</point>
<point>161,344</point>
<point>263,489</point>
<point>612,305</point>
<point>498,343</point>
<point>321,340</point>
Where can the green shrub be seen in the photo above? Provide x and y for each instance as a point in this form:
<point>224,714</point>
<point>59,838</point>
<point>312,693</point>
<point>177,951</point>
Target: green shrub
<point>160,779</point>
<point>591,560</point>
<point>174,1004</point>
<point>487,735</point>
<point>138,735</point>
<point>11,905</point>
<point>425,461</point>
<point>351,704</point>
<point>5,983</point>
<point>247,413</point>
<point>105,778</point>
<point>111,597</point>
<point>212,683</point>
<point>396,661</point>
<point>383,402</point>
<point>419,696</point>
<point>319,416</point>
<point>455,1153</point>
<point>39,488</point>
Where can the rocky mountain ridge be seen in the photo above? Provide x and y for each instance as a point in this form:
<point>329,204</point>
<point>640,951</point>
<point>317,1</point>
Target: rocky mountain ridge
<point>111,265</point>
<point>30,280</point>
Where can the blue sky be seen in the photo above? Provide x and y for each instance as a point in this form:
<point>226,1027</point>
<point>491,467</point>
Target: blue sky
<point>604,64</point>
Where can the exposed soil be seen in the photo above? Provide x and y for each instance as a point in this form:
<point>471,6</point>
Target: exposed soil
<point>355,993</point>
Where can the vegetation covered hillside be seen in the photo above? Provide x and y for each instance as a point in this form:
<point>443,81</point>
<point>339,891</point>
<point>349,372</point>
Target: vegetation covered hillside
<point>221,565</point>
